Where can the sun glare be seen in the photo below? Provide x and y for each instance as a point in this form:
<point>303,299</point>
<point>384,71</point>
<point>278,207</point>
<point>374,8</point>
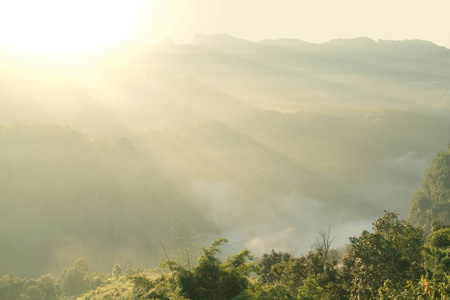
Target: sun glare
<point>61,26</point>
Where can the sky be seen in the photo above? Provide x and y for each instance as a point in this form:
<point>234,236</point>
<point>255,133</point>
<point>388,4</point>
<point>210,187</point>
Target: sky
<point>65,26</point>
<point>313,21</point>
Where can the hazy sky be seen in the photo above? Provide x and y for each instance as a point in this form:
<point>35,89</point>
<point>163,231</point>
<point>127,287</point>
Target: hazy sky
<point>55,25</point>
<point>313,21</point>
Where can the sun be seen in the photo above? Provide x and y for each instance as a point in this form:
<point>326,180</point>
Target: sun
<point>67,26</point>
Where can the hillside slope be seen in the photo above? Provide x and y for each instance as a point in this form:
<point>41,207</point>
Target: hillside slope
<point>431,202</point>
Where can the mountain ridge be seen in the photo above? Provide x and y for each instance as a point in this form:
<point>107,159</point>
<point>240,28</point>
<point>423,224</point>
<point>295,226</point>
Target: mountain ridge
<point>227,39</point>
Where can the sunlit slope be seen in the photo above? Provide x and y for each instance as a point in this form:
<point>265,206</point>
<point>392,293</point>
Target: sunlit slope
<point>290,74</point>
<point>219,77</point>
<point>328,141</point>
<point>377,157</point>
<point>113,95</point>
<point>215,152</point>
<point>64,197</point>
<point>268,172</point>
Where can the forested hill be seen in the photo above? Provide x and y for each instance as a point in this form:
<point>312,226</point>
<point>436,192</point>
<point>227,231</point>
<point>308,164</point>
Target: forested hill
<point>432,201</point>
<point>261,142</point>
<point>392,261</point>
<point>64,195</point>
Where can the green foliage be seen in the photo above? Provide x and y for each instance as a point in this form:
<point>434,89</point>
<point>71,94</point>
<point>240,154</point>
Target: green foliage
<point>290,276</point>
<point>74,280</point>
<point>48,287</point>
<point>432,200</point>
<point>269,261</point>
<point>45,287</point>
<point>111,288</point>
<point>310,290</point>
<point>424,289</point>
<point>270,291</point>
<point>391,263</point>
<point>440,239</point>
<point>162,287</point>
<point>212,279</point>
<point>437,261</point>
<point>393,251</point>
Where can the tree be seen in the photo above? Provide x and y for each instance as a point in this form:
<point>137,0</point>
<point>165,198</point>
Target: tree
<point>437,261</point>
<point>49,289</point>
<point>310,290</point>
<point>323,242</point>
<point>212,279</point>
<point>392,251</point>
<point>270,260</point>
<point>75,279</point>
<point>432,200</point>
<point>291,275</point>
<point>183,245</point>
<point>117,271</point>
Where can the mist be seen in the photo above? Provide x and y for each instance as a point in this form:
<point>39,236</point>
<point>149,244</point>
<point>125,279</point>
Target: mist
<point>263,142</point>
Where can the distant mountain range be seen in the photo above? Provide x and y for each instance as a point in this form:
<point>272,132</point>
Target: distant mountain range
<point>261,142</point>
